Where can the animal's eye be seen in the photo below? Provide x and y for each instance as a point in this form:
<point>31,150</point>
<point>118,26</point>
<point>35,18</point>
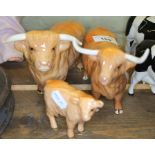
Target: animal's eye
<point>54,48</point>
<point>31,48</point>
<point>92,110</point>
<point>119,67</point>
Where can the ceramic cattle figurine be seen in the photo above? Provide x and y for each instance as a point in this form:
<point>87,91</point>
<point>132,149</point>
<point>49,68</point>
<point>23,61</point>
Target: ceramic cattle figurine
<point>106,64</point>
<point>144,72</point>
<point>65,100</point>
<point>138,29</point>
<point>50,53</point>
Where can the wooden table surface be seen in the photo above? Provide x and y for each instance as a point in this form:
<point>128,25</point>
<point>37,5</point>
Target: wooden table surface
<point>29,119</point>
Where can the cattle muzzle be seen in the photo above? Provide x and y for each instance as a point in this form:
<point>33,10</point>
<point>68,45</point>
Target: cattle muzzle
<point>43,66</point>
<point>104,80</point>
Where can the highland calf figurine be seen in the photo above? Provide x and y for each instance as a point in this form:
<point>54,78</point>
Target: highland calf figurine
<point>65,100</point>
<point>50,53</point>
<point>106,64</point>
<point>144,72</point>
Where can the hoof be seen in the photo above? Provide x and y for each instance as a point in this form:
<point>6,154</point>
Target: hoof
<point>118,111</point>
<point>70,135</point>
<point>40,92</point>
<point>80,67</point>
<point>85,77</point>
<point>130,94</point>
<point>81,129</point>
<point>55,129</point>
<point>97,110</point>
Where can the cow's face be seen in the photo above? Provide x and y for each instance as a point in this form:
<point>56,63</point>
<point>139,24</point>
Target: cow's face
<point>41,47</point>
<point>89,106</point>
<point>111,63</point>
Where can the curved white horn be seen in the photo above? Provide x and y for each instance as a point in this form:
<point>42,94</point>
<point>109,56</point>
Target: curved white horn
<point>84,50</point>
<point>76,44</point>
<point>67,37</point>
<point>16,37</point>
<point>136,59</point>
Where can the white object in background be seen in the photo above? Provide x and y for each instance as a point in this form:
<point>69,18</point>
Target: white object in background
<point>9,25</point>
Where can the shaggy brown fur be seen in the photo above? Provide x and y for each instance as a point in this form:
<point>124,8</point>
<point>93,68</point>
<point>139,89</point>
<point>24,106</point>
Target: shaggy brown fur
<point>43,49</point>
<point>107,69</point>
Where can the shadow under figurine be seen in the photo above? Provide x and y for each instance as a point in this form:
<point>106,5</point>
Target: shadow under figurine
<point>144,72</point>
<point>65,100</point>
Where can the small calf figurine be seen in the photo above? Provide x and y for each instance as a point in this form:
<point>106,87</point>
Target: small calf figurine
<point>146,71</point>
<point>75,105</point>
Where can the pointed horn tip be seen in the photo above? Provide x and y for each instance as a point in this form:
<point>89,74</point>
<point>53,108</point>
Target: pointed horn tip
<point>5,42</point>
<point>139,60</point>
<point>8,40</point>
<point>16,37</point>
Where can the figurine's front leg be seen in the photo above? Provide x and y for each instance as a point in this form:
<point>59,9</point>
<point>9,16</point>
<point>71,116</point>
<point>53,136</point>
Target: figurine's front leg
<point>118,104</point>
<point>40,89</point>
<point>71,126</point>
<point>81,126</point>
<point>53,122</point>
<point>136,78</point>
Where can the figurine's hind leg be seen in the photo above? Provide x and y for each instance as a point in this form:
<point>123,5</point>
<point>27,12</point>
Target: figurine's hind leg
<point>80,66</point>
<point>148,79</point>
<point>85,76</point>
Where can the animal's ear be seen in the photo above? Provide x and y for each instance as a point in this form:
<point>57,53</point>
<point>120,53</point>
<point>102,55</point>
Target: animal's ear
<point>100,104</point>
<point>63,45</point>
<point>22,47</point>
<point>75,100</point>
